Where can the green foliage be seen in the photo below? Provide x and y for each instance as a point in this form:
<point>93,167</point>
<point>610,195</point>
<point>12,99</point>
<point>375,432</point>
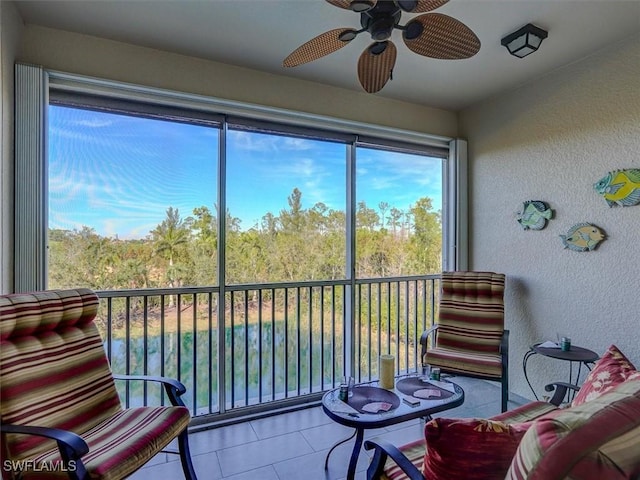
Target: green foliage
<point>297,244</point>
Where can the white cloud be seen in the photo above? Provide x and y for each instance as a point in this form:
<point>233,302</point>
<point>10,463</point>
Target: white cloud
<point>92,122</point>
<point>251,141</point>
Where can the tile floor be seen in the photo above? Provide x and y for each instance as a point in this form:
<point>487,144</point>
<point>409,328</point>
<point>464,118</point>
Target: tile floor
<point>293,446</point>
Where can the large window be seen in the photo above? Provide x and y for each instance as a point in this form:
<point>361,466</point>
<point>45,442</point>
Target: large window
<point>128,197</point>
<point>134,195</point>
<point>141,175</point>
<point>286,198</point>
<point>399,211</point>
<point>254,254</point>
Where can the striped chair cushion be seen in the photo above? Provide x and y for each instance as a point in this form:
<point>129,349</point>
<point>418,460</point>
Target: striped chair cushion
<point>457,361</point>
<point>471,311</point>
<point>527,412</point>
<point>122,443</point>
<point>24,314</point>
<point>415,451</point>
<point>54,369</point>
<point>596,440</point>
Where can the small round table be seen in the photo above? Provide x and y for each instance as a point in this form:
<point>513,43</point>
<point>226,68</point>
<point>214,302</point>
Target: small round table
<point>574,354</point>
<point>352,413</point>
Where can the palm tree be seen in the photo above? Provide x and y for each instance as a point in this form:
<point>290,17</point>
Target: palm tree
<point>394,218</point>
<point>383,206</point>
<point>169,237</point>
<point>426,242</point>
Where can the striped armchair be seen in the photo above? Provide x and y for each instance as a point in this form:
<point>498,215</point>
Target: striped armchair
<point>469,338</point>
<point>60,412</point>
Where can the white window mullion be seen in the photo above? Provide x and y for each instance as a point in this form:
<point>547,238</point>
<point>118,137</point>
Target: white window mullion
<point>350,359</point>
<point>455,210</point>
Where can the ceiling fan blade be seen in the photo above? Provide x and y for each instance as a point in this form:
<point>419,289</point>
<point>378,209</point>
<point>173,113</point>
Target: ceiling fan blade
<point>318,47</point>
<point>441,37</point>
<point>341,3</point>
<point>376,65</point>
<point>420,6</point>
<point>355,5</point>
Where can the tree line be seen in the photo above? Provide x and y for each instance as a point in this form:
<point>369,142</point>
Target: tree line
<point>295,244</point>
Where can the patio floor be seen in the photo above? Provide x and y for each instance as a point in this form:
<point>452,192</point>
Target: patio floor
<point>293,446</point>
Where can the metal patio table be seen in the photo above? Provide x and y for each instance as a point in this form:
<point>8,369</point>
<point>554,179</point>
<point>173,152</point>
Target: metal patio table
<point>353,413</point>
<point>580,355</point>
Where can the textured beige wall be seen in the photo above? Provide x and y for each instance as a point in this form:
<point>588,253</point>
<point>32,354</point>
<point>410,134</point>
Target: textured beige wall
<point>102,58</point>
<point>551,140</point>
<point>10,29</point>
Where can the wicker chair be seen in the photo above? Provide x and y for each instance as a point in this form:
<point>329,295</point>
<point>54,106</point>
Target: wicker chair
<point>60,411</point>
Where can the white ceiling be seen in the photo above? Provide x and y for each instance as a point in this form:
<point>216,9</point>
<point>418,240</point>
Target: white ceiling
<point>259,34</point>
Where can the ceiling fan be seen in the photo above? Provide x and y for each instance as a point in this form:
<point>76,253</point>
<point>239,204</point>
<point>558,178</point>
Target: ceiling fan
<point>432,35</point>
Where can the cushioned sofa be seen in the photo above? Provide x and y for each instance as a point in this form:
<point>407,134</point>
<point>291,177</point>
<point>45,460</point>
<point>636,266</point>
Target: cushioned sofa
<point>595,437</point>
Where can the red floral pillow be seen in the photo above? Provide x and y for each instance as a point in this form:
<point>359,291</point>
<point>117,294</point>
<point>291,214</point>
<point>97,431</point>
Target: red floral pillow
<point>470,448</point>
<point>611,370</point>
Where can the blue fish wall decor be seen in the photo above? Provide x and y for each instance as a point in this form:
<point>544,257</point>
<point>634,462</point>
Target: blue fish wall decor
<point>534,215</point>
<point>620,187</point>
<point>583,237</point>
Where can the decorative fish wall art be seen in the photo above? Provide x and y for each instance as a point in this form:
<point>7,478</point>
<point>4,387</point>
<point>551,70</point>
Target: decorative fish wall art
<point>583,237</point>
<point>534,215</point>
<point>620,187</point>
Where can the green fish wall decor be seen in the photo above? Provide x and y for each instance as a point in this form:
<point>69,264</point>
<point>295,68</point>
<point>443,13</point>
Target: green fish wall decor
<point>620,187</point>
<point>583,237</point>
<point>534,215</point>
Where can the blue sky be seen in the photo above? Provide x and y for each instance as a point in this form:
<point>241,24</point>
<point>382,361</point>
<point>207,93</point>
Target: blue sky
<point>118,174</point>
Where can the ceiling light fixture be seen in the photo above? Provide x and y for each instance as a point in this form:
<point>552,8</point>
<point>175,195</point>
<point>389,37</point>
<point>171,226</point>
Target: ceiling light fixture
<point>524,41</point>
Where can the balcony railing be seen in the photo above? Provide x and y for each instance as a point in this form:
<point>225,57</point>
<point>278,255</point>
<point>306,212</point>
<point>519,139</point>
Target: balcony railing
<point>243,347</point>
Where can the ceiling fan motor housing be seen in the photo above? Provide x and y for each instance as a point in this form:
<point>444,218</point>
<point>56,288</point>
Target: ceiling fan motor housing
<point>381,20</point>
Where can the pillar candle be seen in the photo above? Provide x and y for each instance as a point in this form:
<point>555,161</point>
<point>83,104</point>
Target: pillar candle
<point>387,370</point>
